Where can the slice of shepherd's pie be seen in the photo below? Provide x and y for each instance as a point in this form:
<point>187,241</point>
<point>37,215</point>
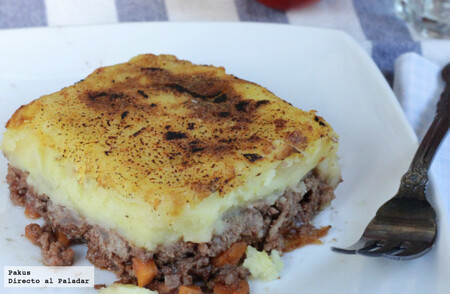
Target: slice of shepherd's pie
<point>168,171</point>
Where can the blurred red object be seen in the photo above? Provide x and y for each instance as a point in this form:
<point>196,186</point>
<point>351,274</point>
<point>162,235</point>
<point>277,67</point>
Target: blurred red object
<point>286,4</point>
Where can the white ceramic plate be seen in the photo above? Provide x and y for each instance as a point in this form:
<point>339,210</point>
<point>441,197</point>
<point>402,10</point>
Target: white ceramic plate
<point>313,69</point>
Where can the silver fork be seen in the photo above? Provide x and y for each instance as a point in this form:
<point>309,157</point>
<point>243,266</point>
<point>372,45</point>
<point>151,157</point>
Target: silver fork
<point>405,226</point>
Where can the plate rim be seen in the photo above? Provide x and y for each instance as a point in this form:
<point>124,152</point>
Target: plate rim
<point>340,34</point>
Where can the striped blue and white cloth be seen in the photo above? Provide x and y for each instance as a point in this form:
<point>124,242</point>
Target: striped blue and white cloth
<point>372,23</point>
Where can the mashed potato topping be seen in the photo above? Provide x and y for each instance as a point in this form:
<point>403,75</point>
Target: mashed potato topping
<point>261,265</point>
<point>125,289</point>
<point>159,149</point>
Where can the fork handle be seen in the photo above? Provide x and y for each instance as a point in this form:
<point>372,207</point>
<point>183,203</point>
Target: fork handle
<point>417,175</point>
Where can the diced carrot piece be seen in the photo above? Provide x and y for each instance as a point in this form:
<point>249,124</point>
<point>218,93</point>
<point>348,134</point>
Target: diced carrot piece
<point>232,255</point>
<point>30,212</point>
<point>32,232</point>
<point>241,288</point>
<point>309,235</point>
<point>62,238</point>
<point>144,271</point>
<point>190,290</point>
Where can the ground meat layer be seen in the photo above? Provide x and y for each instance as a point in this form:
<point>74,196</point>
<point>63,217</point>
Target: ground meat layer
<point>261,225</point>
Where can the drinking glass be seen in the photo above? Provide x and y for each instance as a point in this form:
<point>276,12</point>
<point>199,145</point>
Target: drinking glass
<point>430,18</point>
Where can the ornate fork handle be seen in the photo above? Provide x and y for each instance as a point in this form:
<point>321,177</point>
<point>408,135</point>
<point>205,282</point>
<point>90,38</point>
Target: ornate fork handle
<point>416,177</point>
